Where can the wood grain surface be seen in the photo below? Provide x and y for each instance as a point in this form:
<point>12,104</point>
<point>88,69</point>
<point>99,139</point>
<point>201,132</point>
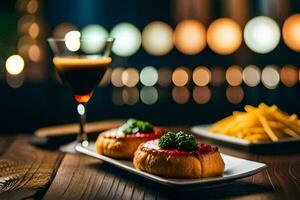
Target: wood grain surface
<point>28,172</point>
<point>95,179</point>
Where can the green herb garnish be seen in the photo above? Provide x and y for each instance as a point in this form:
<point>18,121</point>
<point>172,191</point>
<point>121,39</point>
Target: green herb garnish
<point>133,126</point>
<point>178,140</point>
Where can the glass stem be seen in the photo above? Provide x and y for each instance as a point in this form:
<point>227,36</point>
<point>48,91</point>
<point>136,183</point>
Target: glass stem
<point>82,136</point>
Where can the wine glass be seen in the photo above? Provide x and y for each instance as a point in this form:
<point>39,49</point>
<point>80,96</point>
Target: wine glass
<point>81,64</point>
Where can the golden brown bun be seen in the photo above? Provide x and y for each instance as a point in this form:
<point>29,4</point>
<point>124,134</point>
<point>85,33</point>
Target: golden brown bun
<point>160,163</point>
<point>120,147</point>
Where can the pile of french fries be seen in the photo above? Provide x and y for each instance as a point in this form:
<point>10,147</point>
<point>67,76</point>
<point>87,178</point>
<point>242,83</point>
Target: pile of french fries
<point>257,124</point>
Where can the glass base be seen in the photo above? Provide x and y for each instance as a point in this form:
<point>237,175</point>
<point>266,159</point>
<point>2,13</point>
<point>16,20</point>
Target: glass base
<point>71,147</point>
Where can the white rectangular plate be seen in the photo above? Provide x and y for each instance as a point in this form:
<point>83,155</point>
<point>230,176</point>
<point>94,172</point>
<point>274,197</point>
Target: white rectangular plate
<point>201,130</point>
<point>235,168</point>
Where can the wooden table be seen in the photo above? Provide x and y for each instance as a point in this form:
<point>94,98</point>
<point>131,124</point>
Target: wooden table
<point>28,172</point>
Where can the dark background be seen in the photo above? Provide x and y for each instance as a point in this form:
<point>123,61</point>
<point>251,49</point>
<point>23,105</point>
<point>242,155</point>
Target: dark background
<point>44,102</point>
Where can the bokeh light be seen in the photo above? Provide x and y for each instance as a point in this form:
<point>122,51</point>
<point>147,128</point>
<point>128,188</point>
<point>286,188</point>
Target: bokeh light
<point>93,37</point>
<point>14,65</point>
<point>72,40</point>
<point>34,53</point>
<point>251,75</point>
<point>270,76</point>
<point>15,81</point>
<point>201,76</point>
<point>181,95</point>
<point>34,30</point>
<point>62,29</point>
<point>291,32</point>
<point>25,22</point>
<point>181,76</point>
<point>149,95</point>
<point>190,37</point>
<point>130,77</point>
<point>130,95</point>
<point>217,76</point>
<point>149,76</point>
<point>164,76</point>
<point>262,34</point>
<point>234,75</point>
<point>116,77</point>
<point>235,94</point>
<point>224,36</point>
<point>127,39</point>
<point>32,6</point>
<point>23,45</point>
<point>157,38</point>
<point>289,75</point>
<point>201,94</point>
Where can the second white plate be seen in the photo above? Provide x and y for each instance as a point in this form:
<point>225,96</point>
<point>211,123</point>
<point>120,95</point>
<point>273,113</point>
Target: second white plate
<point>201,130</point>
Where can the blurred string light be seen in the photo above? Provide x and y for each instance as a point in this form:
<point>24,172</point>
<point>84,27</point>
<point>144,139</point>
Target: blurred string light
<point>72,40</point>
<point>201,94</point>
<point>201,76</point>
<point>149,76</point>
<point>224,36</point>
<point>93,37</point>
<point>289,75</point>
<point>251,75</point>
<point>15,81</point>
<point>235,94</point>
<point>24,43</point>
<point>34,53</point>
<point>157,38</point>
<point>116,96</point>
<point>127,39</point>
<point>291,32</point>
<point>25,22</point>
<point>29,44</point>
<point>181,95</point>
<point>190,37</point>
<point>262,34</point>
<point>270,76</point>
<point>130,96</point>
<point>116,77</point>
<point>181,76</point>
<point>130,77</point>
<point>32,6</point>
<point>149,95</point>
<point>34,30</point>
<point>217,76</point>
<point>14,65</point>
<point>234,75</point>
<point>62,29</point>
<point>164,76</point>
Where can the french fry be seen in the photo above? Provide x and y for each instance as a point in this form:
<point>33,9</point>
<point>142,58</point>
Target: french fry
<point>267,128</point>
<point>260,123</point>
<point>290,132</point>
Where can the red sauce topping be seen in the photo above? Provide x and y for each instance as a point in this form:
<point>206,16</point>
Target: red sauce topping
<point>152,146</point>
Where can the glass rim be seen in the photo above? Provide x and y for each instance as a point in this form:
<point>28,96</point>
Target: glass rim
<point>107,39</point>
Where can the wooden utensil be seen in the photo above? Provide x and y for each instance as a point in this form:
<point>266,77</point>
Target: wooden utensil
<point>54,136</point>
<point>71,129</point>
